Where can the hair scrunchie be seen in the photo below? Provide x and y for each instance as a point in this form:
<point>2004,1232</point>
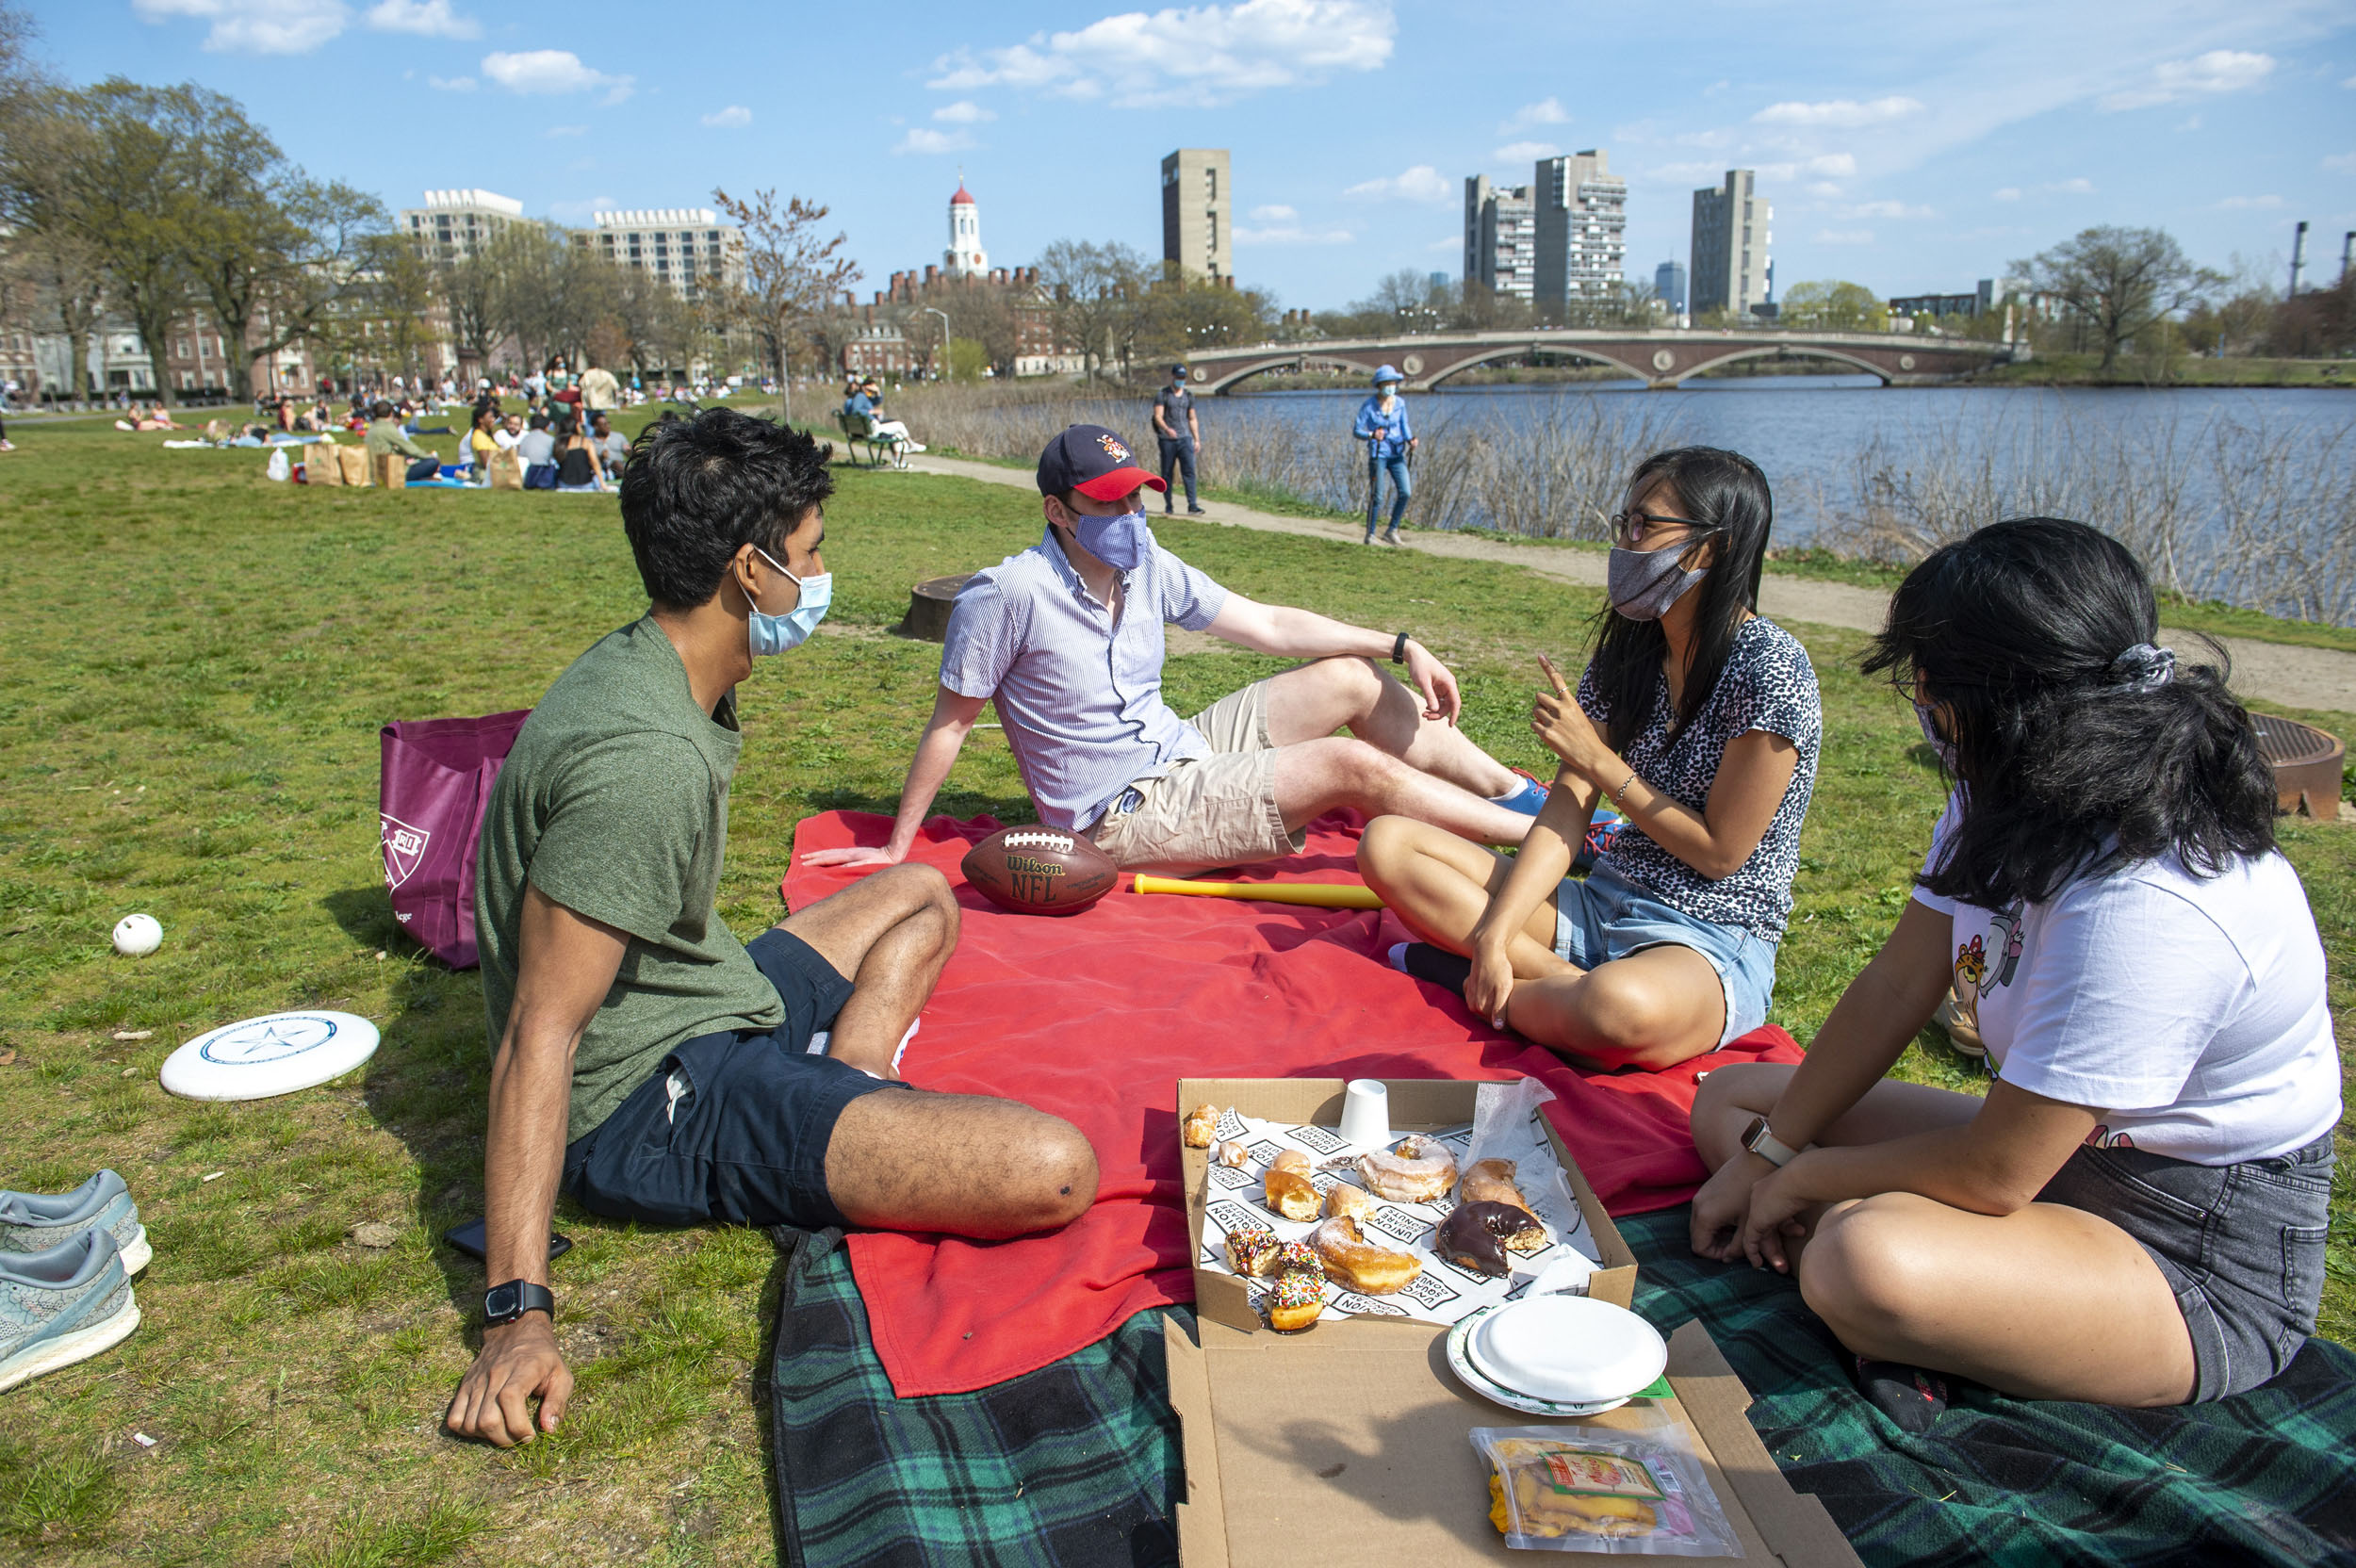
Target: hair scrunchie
<point>2145,668</point>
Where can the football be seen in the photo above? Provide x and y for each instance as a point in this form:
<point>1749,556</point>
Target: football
<point>1040,870</point>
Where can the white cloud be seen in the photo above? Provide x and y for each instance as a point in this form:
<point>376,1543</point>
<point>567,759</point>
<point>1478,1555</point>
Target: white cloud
<point>2350,82</point>
<point>2344,163</point>
<point>426,18</point>
<point>1525,152</point>
<point>2237,202</point>
<point>552,70</point>
<point>963,112</point>
<point>2010,193</point>
<point>2079,186</point>
<point>1887,209</point>
<point>1292,234</point>
<point>1845,237</point>
<point>1840,113</point>
<point>1214,53</point>
<point>451,84</point>
<point>1839,166</point>
<point>1422,183</point>
<point>1274,214</point>
<point>922,139</point>
<point>735,117</point>
<point>2219,70</point>
<point>255,26</point>
<point>555,131</point>
<point>1824,190</point>
<point>1545,111</point>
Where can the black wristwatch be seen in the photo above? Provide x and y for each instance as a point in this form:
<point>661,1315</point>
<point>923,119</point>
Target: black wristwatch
<point>505,1303</point>
<point>1398,649</point>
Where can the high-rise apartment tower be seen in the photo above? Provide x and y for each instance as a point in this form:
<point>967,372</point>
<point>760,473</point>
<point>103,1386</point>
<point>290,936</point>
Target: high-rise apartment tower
<point>453,224</point>
<point>1582,228</point>
<point>1732,240</point>
<point>1668,286</point>
<point>1501,237</point>
<point>1197,203</point>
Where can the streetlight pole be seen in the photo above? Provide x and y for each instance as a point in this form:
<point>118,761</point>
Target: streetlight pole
<point>948,371</point>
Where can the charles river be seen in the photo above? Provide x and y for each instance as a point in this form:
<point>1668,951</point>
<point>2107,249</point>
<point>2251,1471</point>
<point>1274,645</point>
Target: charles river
<point>1806,431</point>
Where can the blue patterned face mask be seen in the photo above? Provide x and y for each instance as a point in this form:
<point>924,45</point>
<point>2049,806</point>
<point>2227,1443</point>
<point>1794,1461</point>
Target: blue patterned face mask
<point>767,635</point>
<point>1119,543</point>
<point>1941,748</point>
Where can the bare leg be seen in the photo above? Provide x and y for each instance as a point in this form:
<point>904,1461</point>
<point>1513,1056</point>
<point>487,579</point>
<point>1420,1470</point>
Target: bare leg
<point>890,933</point>
<point>1316,777</point>
<point>1439,885</point>
<point>967,1165</point>
<point>1312,700</point>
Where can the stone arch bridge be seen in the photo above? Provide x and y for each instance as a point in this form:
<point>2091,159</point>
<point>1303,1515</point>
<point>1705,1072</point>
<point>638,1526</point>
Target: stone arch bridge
<point>1661,358</point>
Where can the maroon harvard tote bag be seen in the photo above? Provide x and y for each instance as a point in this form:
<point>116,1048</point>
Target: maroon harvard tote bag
<point>437,773</point>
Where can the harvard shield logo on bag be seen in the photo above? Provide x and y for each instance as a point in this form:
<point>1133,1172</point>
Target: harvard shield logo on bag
<point>404,847</point>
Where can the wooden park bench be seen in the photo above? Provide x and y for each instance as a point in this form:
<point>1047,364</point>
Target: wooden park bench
<point>859,430</point>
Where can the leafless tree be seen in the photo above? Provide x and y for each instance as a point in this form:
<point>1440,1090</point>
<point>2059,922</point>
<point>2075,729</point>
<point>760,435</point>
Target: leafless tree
<point>791,274</point>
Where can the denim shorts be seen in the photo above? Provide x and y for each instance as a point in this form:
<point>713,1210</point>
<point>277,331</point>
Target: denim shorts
<point>1607,917</point>
<point>744,1140</point>
<point>2240,1245</point>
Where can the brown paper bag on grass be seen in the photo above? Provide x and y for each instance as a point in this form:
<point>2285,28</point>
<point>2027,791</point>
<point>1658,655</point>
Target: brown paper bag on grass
<point>354,461</point>
<point>391,472</point>
<point>506,470</point>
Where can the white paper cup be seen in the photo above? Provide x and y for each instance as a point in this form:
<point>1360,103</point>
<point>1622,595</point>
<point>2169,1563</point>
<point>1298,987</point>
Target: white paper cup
<point>1366,1114</point>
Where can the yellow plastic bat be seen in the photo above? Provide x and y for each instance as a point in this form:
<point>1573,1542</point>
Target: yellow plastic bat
<point>1322,895</point>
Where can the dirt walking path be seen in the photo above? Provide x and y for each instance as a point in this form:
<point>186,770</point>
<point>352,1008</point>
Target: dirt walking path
<point>2279,672</point>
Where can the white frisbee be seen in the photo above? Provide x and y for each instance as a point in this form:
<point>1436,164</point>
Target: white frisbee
<point>276,1054</point>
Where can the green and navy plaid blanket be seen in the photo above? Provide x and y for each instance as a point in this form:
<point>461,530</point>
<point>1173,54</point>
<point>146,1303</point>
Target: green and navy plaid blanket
<point>1077,1464</point>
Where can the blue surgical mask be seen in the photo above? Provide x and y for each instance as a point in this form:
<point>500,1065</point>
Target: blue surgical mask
<point>767,635</point>
<point>1121,543</point>
<point>1644,584</point>
<point>1941,748</point>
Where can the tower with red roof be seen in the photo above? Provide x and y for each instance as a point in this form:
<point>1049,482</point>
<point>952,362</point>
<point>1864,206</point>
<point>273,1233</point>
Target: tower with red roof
<point>965,257</point>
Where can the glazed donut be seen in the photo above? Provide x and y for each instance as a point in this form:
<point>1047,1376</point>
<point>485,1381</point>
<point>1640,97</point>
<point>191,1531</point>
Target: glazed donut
<point>1296,1302</point>
<point>1228,1152</point>
<point>1200,1125</point>
<point>1252,1250</point>
<point>1492,1181</point>
<point>1288,1189</point>
<point>1475,1236</point>
<point>1419,1170</point>
<point>1357,1202</point>
<point>1356,1263</point>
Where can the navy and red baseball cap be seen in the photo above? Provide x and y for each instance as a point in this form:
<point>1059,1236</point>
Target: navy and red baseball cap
<point>1093,461</point>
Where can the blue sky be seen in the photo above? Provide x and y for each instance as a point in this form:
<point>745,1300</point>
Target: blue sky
<point>1910,148</point>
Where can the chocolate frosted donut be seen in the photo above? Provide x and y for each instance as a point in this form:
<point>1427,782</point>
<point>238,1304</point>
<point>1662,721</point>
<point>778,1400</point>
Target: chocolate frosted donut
<point>1475,1234</point>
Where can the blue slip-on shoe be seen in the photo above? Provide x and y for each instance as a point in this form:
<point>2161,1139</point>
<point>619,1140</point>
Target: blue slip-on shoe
<point>36,1222</point>
<point>61,1306</point>
<point>1529,797</point>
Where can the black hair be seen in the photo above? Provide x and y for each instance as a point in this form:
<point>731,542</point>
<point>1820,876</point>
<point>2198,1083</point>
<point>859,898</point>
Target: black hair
<point>380,410</point>
<point>2076,749</point>
<point>1726,493</point>
<point>696,491</point>
<point>538,422</point>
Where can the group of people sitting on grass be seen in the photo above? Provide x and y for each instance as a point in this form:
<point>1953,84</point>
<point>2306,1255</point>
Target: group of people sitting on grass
<point>549,452</point>
<point>2135,1214</point>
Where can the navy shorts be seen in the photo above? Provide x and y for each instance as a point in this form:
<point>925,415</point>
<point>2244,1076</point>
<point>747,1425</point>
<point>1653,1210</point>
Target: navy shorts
<point>732,1127</point>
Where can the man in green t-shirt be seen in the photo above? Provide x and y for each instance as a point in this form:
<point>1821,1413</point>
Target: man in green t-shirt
<point>644,1060</point>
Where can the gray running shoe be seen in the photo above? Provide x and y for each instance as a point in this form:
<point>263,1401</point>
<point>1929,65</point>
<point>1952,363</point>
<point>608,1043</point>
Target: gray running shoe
<point>61,1306</point>
<point>35,1221</point>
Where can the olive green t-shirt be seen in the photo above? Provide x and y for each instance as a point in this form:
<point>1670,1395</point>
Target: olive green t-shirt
<point>615,803</point>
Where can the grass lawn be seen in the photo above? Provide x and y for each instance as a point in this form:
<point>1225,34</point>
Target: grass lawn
<point>197,665</point>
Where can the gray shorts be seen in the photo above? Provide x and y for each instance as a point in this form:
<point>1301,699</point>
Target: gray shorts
<point>1215,811</point>
<point>2240,1245</point>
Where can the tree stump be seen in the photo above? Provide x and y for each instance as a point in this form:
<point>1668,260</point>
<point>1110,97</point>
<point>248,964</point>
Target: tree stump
<point>929,603</point>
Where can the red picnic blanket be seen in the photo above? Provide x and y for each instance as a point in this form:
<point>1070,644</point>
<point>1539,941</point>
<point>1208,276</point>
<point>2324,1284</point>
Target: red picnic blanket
<point>1095,1017</point>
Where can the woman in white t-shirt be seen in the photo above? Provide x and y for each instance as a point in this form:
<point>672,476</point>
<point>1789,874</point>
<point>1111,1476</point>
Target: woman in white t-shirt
<point>2136,1213</point>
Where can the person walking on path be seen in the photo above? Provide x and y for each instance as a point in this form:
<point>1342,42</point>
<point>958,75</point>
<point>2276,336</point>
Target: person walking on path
<point>1382,426</point>
<point>1180,436</point>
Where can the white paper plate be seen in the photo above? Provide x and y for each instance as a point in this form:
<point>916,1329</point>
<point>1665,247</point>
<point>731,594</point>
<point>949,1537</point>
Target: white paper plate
<point>1471,1377</point>
<point>1571,1349</point>
<point>276,1054</point>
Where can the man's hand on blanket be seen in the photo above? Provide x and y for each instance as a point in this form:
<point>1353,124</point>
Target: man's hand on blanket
<point>519,1363</point>
<point>858,854</point>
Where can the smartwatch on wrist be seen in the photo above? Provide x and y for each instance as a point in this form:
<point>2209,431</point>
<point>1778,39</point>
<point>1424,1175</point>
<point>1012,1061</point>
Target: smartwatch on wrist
<point>1398,649</point>
<point>505,1303</point>
<point>1759,1141</point>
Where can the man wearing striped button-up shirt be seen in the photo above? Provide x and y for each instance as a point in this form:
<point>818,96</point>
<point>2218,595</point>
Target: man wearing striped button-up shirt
<point>1066,638</point>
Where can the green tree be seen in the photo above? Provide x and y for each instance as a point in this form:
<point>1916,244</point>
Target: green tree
<point>1832,305</point>
<point>2119,282</point>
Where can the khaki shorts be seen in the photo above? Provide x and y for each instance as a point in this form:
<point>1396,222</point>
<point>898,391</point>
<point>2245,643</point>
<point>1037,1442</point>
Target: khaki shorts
<point>1215,811</point>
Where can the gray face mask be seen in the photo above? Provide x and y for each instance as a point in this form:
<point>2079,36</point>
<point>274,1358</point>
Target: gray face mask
<point>1941,748</point>
<point>1644,584</point>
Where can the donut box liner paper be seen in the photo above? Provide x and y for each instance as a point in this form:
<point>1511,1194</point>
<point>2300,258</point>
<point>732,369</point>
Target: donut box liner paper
<point>1445,1291</point>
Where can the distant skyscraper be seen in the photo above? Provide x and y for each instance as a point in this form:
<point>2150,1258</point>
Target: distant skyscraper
<point>1582,225</point>
<point>1197,202</point>
<point>1668,285</point>
<point>1732,240</point>
<point>965,257</point>
<point>1501,237</point>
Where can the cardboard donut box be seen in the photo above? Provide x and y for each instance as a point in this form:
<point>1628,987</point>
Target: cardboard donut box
<point>1349,1443</point>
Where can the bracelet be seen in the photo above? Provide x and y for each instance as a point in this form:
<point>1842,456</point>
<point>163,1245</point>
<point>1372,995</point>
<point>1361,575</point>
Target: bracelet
<point>1615,794</point>
<point>1398,649</point>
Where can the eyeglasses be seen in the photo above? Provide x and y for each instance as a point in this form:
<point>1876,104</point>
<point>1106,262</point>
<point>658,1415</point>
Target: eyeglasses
<point>1629,529</point>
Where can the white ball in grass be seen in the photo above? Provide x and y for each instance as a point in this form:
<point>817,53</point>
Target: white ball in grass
<point>137,936</point>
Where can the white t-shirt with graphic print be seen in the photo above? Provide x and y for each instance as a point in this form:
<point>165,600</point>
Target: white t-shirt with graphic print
<point>2189,1011</point>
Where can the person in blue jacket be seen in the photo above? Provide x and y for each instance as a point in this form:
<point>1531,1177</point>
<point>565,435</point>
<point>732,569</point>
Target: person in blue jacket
<point>1382,426</point>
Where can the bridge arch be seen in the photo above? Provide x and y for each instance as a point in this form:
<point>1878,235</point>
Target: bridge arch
<point>1521,350</point>
<point>1793,350</point>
